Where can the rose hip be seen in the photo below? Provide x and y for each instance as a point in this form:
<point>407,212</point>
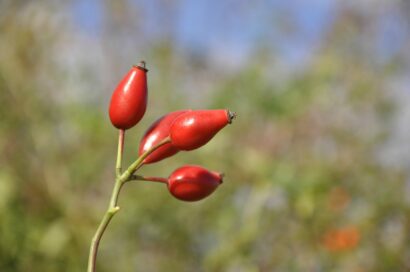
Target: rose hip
<point>129,100</point>
<point>158,131</point>
<point>193,129</point>
<point>192,183</point>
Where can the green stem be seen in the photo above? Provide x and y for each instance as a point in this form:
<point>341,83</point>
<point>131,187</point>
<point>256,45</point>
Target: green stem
<point>154,179</point>
<point>113,208</point>
<point>95,242</point>
<point>140,161</point>
<point>120,151</point>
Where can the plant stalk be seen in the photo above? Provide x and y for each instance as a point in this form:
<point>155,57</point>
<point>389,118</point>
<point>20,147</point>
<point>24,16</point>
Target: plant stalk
<point>153,179</point>
<point>140,161</point>
<point>120,151</point>
<point>112,207</point>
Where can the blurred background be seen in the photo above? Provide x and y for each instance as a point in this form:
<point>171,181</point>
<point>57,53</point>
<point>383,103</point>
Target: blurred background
<point>317,163</point>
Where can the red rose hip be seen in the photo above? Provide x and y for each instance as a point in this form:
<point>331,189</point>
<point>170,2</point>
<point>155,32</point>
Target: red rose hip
<point>129,100</point>
<point>193,183</point>
<point>158,131</point>
<point>193,129</point>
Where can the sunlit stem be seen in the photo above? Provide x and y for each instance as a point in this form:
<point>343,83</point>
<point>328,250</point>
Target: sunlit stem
<point>120,151</point>
<point>112,207</point>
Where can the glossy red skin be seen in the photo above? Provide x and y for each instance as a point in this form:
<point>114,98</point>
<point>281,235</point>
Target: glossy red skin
<point>193,183</point>
<point>158,131</point>
<point>129,100</point>
<point>193,129</point>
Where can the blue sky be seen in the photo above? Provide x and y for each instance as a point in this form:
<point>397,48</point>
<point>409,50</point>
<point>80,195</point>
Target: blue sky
<point>237,26</point>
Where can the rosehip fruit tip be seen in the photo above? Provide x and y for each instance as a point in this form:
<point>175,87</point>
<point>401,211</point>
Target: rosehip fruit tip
<point>142,65</point>
<point>231,116</point>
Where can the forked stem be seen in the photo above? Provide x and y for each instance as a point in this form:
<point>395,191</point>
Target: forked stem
<point>139,162</point>
<point>112,207</point>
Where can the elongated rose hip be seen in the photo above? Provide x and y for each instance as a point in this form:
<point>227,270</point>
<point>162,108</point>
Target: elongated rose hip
<point>193,129</point>
<point>158,131</point>
<point>129,100</point>
<point>193,183</point>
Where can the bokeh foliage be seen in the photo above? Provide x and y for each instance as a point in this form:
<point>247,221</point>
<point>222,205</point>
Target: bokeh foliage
<point>305,187</point>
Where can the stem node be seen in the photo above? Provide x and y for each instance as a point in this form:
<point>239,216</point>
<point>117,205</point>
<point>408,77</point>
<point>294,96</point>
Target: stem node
<point>114,210</point>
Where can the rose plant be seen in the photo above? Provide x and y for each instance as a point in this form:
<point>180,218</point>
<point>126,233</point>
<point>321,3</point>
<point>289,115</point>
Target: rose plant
<point>182,130</point>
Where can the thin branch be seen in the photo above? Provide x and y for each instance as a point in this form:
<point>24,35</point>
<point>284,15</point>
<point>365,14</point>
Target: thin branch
<point>140,161</point>
<point>112,207</point>
<point>120,151</point>
<point>154,179</point>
